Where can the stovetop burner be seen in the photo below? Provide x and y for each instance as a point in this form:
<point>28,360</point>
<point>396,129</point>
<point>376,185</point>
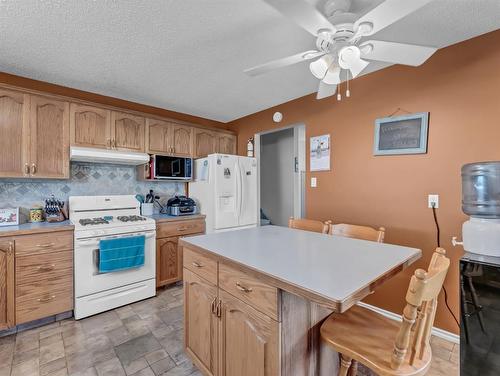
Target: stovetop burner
<point>93,221</point>
<point>130,218</point>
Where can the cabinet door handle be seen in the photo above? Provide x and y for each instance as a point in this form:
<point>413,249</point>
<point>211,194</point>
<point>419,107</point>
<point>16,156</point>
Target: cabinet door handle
<point>10,250</point>
<point>47,299</point>
<point>219,308</point>
<point>197,264</point>
<point>26,169</point>
<point>33,169</point>
<point>46,245</point>
<point>46,268</point>
<point>240,287</point>
<point>212,306</point>
<point>113,144</point>
<point>108,143</point>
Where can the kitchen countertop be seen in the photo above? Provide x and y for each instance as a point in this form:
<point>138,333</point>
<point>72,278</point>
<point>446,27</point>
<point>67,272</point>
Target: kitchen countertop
<point>169,218</point>
<point>32,228</point>
<point>329,269</point>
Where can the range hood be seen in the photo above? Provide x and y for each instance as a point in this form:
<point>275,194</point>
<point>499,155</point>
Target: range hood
<point>80,154</point>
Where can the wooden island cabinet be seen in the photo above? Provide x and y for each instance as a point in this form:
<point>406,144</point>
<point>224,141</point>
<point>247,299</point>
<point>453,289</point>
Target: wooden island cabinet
<point>251,308</point>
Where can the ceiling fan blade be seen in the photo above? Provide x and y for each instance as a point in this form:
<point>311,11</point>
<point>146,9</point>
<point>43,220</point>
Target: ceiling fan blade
<point>387,13</point>
<point>332,76</point>
<point>280,63</point>
<point>303,14</point>
<point>325,90</point>
<point>398,53</point>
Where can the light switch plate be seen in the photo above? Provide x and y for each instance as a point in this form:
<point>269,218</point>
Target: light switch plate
<point>433,199</point>
<point>314,182</point>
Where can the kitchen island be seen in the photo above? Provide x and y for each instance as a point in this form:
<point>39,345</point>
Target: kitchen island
<point>255,298</point>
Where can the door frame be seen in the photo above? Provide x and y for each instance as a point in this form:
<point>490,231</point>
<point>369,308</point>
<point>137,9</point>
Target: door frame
<point>299,140</point>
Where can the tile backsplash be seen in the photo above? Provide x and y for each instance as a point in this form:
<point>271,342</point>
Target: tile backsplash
<point>87,179</point>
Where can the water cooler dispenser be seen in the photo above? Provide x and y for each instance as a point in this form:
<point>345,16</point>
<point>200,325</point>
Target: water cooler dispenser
<point>480,270</point>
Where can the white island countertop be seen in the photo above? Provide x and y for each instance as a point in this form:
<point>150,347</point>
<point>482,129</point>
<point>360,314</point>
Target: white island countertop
<point>331,270</point>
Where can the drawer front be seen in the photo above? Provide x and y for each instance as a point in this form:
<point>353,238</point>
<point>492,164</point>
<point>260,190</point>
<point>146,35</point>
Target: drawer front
<point>179,228</point>
<point>44,298</point>
<point>31,269</point>
<point>249,289</point>
<point>201,265</point>
<point>43,243</point>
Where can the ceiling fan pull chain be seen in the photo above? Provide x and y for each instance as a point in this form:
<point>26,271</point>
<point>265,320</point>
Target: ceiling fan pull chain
<point>348,92</point>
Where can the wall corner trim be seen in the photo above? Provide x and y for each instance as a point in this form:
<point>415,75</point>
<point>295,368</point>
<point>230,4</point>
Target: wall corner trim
<point>443,334</point>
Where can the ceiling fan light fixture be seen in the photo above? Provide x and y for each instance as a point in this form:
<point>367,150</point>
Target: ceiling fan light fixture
<point>320,67</point>
<point>332,75</point>
<point>349,58</point>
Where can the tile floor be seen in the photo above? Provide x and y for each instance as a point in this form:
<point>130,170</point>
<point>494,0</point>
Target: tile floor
<point>141,339</point>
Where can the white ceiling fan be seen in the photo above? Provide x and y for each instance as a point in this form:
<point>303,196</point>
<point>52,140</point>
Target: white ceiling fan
<point>339,41</point>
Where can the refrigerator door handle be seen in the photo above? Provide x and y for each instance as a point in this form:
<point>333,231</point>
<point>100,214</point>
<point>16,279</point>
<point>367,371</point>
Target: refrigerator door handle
<point>238,190</point>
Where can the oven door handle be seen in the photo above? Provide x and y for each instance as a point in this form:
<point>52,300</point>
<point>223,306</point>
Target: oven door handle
<point>95,241</point>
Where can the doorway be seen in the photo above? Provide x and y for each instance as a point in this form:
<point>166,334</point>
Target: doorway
<point>281,154</point>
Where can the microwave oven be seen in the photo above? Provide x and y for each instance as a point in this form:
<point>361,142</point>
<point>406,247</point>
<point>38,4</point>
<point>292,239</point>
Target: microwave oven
<point>171,168</point>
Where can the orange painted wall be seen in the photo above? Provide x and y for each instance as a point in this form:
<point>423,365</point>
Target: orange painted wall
<point>460,87</point>
<point>28,83</point>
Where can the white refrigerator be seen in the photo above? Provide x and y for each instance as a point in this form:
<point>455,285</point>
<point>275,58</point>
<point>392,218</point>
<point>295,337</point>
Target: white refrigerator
<point>225,188</point>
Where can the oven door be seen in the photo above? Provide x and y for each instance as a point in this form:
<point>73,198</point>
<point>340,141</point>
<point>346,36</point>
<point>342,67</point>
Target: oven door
<point>89,281</point>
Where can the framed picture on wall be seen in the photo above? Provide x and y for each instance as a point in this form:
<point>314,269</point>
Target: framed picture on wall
<point>320,153</point>
<point>406,134</point>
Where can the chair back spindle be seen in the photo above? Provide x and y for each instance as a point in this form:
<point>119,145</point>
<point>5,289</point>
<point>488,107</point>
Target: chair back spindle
<point>420,310</point>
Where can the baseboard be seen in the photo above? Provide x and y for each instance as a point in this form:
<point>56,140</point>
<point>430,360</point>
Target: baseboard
<point>447,336</point>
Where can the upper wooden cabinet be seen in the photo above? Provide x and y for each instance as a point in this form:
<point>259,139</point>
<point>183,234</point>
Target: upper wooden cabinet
<point>128,131</point>
<point>7,302</point>
<point>204,142</point>
<point>163,137</point>
<point>90,126</point>
<point>14,134</point>
<point>49,138</point>
<point>226,143</point>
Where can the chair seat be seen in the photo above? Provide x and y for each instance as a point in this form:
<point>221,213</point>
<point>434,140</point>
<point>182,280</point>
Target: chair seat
<point>368,337</point>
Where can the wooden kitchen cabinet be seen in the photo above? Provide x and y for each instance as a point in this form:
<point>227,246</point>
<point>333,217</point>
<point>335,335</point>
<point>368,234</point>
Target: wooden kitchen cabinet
<point>169,257</point>
<point>169,138</point>
<point>204,142</point>
<point>201,322</point>
<point>14,134</point>
<point>168,261</point>
<point>49,138</point>
<point>248,340</point>
<point>7,282</point>
<point>90,126</point>
<point>226,143</point>
<point>127,131</point>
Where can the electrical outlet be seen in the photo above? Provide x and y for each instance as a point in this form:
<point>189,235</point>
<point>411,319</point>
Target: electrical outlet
<point>433,199</point>
<point>314,182</point>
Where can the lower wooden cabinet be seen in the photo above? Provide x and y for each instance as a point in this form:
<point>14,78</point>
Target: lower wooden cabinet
<point>168,253</point>
<point>200,322</point>
<point>168,263</point>
<point>248,340</point>
<point>224,335</point>
<point>7,281</point>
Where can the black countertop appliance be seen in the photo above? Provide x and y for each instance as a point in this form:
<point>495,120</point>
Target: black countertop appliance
<point>181,205</point>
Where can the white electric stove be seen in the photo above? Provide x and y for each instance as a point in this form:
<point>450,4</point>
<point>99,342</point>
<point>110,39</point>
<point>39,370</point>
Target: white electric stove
<point>105,217</point>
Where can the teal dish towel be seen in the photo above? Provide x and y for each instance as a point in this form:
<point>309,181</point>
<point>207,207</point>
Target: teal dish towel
<point>121,253</point>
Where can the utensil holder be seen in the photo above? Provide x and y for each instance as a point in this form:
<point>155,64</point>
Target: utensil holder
<point>147,208</point>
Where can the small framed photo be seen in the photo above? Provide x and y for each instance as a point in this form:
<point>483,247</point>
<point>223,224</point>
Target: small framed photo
<point>9,217</point>
<point>320,153</point>
<point>405,134</point>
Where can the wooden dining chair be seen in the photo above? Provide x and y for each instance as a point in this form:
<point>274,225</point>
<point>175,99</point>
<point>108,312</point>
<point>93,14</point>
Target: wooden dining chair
<point>385,346</point>
<point>357,232</point>
<point>309,225</point>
